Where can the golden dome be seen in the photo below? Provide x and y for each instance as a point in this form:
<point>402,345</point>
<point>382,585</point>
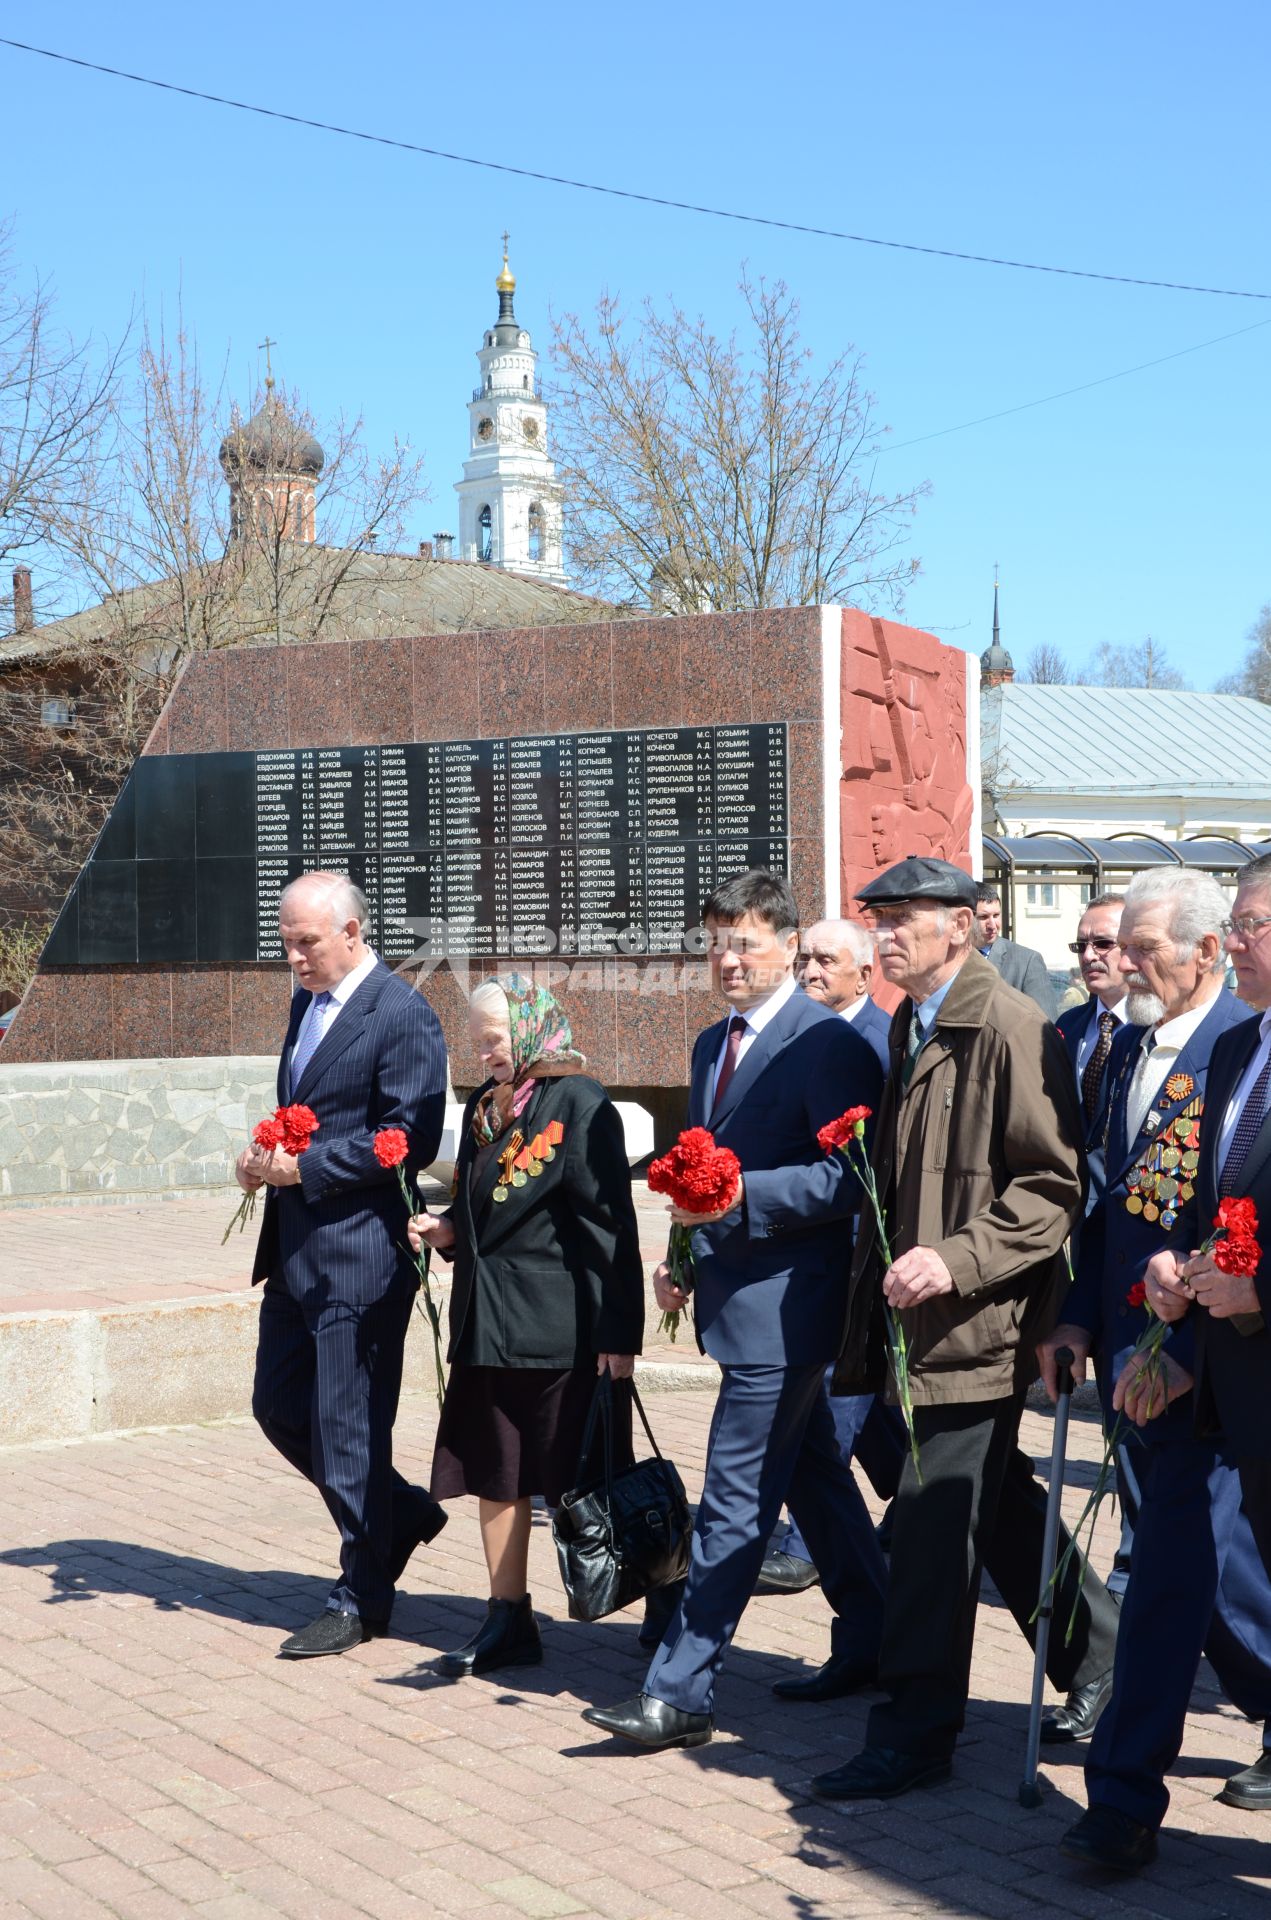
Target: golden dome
<point>506,282</point>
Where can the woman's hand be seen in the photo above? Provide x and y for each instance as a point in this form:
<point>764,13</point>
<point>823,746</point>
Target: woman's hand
<point>621,1365</point>
<point>429,1229</point>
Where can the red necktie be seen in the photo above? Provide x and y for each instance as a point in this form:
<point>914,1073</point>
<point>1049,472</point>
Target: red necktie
<point>732,1047</point>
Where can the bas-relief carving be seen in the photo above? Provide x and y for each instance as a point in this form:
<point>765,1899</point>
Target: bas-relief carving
<point>904,774</point>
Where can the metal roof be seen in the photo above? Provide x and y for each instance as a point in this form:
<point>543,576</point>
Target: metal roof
<point>1145,740</point>
<point>1056,853</point>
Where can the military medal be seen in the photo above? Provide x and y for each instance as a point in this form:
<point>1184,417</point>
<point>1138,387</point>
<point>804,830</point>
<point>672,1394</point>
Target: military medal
<point>1134,1204</point>
<point>1161,1185</point>
<point>506,1175</point>
<point>518,1178</point>
<point>1178,1087</point>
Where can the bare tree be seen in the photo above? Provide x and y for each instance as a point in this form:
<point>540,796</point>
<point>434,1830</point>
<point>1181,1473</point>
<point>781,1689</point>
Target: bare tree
<point>707,475</point>
<point>55,399</point>
<point>147,531</point>
<point>1046,667</point>
<point>1253,676</point>
<point>1136,664</point>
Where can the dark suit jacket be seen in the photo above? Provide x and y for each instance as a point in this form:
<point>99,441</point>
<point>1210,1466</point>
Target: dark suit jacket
<point>1111,1259</point>
<point>874,1025</point>
<point>1233,1387</point>
<point>552,1275</point>
<point>341,1234</point>
<point>1024,969</point>
<point>1074,1023</point>
<point>772,1284</point>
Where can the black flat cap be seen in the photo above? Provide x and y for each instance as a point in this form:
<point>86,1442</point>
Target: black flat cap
<point>919,878</point>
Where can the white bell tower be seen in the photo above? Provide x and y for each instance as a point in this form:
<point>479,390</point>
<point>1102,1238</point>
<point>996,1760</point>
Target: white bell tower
<point>510,505</point>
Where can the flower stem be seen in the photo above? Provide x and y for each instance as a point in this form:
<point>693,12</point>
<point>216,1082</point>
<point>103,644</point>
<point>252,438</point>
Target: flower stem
<point>423,1261</point>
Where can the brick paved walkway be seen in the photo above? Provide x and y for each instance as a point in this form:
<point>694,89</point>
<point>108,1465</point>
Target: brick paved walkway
<point>157,1760</point>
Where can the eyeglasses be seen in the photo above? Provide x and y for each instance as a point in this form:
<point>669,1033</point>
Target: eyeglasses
<point>1103,945</point>
<point>1247,927</point>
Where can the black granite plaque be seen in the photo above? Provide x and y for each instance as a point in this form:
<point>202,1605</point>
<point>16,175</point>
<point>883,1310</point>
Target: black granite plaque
<point>578,843</point>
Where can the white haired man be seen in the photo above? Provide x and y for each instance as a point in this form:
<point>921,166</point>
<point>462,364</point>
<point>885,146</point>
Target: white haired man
<point>1193,1581</point>
<point>836,967</point>
<point>364,1051</point>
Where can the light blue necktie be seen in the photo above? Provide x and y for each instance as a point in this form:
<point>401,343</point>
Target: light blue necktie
<point>310,1035</point>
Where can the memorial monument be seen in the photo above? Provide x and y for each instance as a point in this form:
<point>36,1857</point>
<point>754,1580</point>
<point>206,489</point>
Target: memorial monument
<point>562,798</point>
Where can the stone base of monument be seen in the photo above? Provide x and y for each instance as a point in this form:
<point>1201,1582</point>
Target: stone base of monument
<point>133,1314</point>
<point>124,1129</point>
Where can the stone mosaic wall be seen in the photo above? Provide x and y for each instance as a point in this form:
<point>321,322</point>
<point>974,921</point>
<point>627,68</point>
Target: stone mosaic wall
<point>128,1126</point>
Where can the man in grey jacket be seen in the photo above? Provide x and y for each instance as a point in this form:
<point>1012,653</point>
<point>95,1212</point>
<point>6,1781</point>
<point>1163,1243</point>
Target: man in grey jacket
<point>1021,967</point>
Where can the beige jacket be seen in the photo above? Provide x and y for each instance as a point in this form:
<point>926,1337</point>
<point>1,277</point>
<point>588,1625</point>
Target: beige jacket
<point>980,1159</point>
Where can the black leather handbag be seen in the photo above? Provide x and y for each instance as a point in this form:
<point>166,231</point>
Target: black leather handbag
<point>620,1535</point>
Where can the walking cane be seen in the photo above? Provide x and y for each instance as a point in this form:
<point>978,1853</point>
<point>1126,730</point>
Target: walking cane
<point>1029,1791</point>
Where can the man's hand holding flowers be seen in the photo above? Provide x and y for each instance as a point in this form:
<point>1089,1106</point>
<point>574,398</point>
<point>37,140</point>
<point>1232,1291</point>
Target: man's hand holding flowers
<point>1146,1387</point>
<point>683,1218</point>
<point>916,1276</point>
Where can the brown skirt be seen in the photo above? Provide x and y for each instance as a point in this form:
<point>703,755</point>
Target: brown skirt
<point>508,1432</point>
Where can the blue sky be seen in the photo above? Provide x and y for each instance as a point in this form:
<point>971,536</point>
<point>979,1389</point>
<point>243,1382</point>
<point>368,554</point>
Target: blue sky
<point>1128,138</point>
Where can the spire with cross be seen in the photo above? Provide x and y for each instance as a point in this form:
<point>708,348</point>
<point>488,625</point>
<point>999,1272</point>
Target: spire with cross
<point>265,347</point>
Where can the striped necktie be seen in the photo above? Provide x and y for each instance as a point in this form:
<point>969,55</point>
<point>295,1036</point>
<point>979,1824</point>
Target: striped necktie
<point>1246,1131</point>
<point>311,1031</point>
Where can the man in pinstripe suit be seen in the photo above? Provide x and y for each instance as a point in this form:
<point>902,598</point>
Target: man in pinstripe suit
<point>363,1051</point>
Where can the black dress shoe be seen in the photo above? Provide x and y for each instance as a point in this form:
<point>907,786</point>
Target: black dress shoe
<point>1250,1789</point>
<point>785,1573</point>
<point>431,1519</point>
<point>652,1723</point>
<point>1077,1717</point>
<point>880,1773</point>
<point>846,1674</point>
<point>508,1637</point>
<point>659,1611</point>
<point>1104,1837</point>
<point>330,1633</point>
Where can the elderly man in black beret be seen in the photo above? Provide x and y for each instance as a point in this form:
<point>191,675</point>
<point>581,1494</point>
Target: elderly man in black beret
<point>978,1158</point>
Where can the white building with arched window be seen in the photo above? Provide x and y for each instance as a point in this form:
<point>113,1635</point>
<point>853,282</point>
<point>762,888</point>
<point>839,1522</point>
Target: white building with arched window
<point>510,505</point>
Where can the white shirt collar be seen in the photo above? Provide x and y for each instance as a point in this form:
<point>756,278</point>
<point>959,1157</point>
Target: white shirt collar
<point>1174,1034</point>
<point>757,1017</point>
<point>853,1007</point>
<point>1118,1010</point>
<point>347,987</point>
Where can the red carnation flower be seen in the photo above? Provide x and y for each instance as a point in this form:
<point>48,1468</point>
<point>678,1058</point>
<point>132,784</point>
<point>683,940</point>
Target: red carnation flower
<point>1238,1255</point>
<point>268,1134</point>
<point>1137,1296</point>
<point>391,1146</point>
<point>1238,1218</point>
<point>299,1124</point>
<point>848,1126</point>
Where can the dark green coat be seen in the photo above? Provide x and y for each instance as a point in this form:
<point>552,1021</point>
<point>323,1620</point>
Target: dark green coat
<point>552,1275</point>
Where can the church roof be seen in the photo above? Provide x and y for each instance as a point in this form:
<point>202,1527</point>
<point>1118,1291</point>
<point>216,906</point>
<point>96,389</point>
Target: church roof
<point>272,442</point>
<point>379,595</point>
<point>1141,740</point>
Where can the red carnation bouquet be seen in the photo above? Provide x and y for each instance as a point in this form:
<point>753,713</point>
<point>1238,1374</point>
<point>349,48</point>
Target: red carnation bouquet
<point>846,1135</point>
<point>392,1149</point>
<point>698,1177</point>
<point>1233,1242</point>
<point>291,1128</point>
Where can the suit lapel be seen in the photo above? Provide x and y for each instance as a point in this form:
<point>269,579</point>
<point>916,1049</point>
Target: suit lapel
<point>704,1058</point>
<point>300,1001</point>
<point>766,1044</point>
<point>346,1029</point>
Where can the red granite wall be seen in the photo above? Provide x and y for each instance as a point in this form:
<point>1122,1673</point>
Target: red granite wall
<point>904,790</point>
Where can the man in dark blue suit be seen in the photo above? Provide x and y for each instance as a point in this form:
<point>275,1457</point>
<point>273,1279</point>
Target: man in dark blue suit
<point>835,967</point>
<point>771,1279</point>
<point>1188,1587</point>
<point>1090,1028</point>
<point>363,1051</point>
<point>1232,1312</point>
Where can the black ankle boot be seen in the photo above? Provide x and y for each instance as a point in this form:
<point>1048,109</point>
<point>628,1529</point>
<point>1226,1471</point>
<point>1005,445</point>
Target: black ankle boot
<point>508,1638</point>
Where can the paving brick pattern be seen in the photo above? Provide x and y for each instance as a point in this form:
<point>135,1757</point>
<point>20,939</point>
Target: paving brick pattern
<point>157,1760</point>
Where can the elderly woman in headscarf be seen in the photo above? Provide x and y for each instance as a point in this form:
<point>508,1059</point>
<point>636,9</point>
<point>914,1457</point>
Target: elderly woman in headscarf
<point>548,1293</point>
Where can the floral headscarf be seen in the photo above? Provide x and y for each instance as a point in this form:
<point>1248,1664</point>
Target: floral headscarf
<point>542,1049</point>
